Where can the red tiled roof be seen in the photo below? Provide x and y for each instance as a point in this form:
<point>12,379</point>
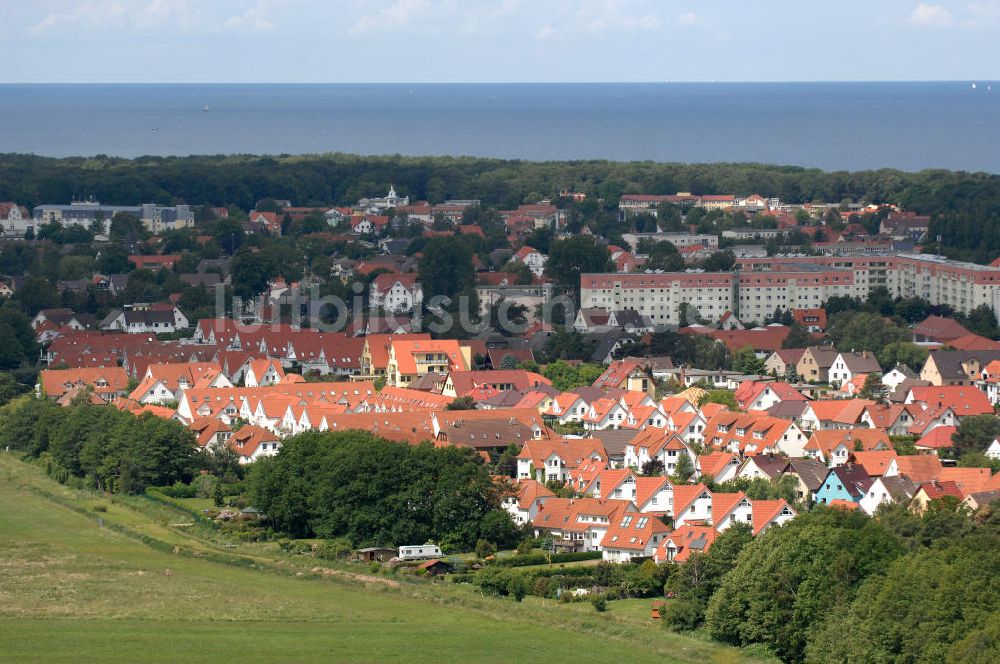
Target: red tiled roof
<point>963,400</point>
<point>974,342</point>
<point>939,438</point>
<point>939,328</point>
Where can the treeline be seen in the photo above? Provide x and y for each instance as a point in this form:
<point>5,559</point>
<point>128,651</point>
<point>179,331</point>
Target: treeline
<point>99,446</point>
<point>18,348</point>
<point>375,492</point>
<point>836,586</point>
<point>242,180</point>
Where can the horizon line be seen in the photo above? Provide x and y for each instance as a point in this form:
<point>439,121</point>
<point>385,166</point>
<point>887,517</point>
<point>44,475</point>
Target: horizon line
<point>511,82</point>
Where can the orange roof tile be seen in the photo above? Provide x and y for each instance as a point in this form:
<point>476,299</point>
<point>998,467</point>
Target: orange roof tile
<point>685,494</point>
<point>764,512</point>
<point>919,468</point>
<point>874,463</point>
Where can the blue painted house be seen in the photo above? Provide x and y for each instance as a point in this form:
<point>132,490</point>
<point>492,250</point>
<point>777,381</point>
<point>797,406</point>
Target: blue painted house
<point>848,482</point>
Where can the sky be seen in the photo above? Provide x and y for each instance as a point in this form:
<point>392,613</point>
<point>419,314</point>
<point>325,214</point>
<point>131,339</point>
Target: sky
<point>412,41</point>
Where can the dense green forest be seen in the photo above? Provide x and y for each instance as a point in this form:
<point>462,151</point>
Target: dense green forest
<point>102,447</point>
<point>369,490</point>
<point>835,586</point>
<point>966,206</point>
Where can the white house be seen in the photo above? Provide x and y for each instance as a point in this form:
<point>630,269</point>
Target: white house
<point>523,505</point>
<point>604,414</point>
<point>534,259</point>
<point>718,467</point>
<point>545,461</point>
<point>655,494</point>
<point>657,444</point>
<point>993,451</point>
<point>260,373</point>
<point>252,443</point>
<point>146,319</point>
<point>848,365</point>
<point>892,489</point>
<point>729,509</point>
<point>892,378</point>
<point>691,504</point>
<point>15,219</point>
<point>614,485</point>
<point>396,292</point>
<point>567,407</point>
<point>633,536</point>
<point>690,426</point>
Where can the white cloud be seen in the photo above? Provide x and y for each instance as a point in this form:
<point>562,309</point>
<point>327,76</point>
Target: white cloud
<point>117,15</point>
<point>688,19</point>
<point>396,15</point>
<point>546,32</point>
<point>933,16</point>
<point>982,15</point>
<point>602,18</point>
<point>253,19</point>
<point>87,14</point>
<point>159,12</point>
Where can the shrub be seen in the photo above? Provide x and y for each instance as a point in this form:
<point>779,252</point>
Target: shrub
<point>286,545</point>
<point>542,587</point>
<point>566,572</point>
<point>600,603</point>
<point>333,549</point>
<point>493,581</point>
<point>637,583</point>
<point>683,614</point>
<point>578,581</point>
<point>607,574</point>
<point>517,586</point>
<point>100,508</point>
<point>178,490</point>
<point>524,547</point>
<point>234,488</point>
<point>484,549</point>
<point>542,558</point>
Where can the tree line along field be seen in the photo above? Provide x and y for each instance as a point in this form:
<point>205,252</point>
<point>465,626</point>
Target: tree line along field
<point>74,590</point>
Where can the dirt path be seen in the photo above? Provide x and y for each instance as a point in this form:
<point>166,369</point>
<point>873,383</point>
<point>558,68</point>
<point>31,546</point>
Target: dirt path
<point>364,578</point>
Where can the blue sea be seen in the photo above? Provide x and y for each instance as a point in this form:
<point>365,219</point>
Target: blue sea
<point>833,126</point>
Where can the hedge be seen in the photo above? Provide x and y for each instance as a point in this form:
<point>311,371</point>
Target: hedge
<point>157,495</point>
<point>561,571</point>
<point>543,559</point>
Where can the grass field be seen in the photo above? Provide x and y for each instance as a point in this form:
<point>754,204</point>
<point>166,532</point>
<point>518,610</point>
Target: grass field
<point>72,590</point>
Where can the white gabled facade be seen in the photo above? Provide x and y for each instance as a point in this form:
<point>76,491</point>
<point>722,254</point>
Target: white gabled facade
<point>699,509</point>
<point>993,451</point>
<point>741,512</point>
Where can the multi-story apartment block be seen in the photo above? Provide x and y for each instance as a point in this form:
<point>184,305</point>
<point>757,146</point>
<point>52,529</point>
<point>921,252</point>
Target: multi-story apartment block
<point>761,285</point>
<point>156,218</point>
<point>963,286</point>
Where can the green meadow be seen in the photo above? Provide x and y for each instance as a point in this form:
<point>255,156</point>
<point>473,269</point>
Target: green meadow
<point>86,579</point>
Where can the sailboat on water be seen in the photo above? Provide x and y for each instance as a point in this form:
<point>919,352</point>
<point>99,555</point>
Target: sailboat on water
<point>205,109</point>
